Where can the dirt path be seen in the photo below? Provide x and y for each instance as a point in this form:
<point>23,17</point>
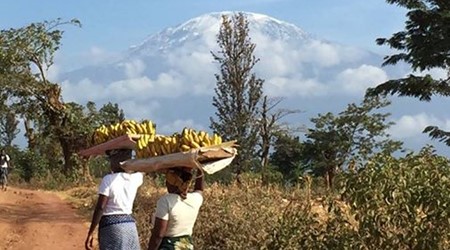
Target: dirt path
<point>38,220</point>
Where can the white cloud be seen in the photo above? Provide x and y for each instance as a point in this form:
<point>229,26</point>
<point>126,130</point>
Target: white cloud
<point>436,73</point>
<point>52,73</point>
<point>195,68</point>
<point>138,89</point>
<point>276,58</point>
<point>143,88</point>
<point>133,68</point>
<point>138,110</point>
<point>282,86</point>
<point>324,54</point>
<point>409,126</point>
<point>81,92</point>
<point>357,80</point>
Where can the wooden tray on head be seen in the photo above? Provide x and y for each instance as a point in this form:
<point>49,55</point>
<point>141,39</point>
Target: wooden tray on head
<point>124,141</point>
<point>209,159</point>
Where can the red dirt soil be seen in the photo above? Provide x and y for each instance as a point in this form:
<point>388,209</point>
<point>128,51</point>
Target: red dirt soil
<point>32,219</point>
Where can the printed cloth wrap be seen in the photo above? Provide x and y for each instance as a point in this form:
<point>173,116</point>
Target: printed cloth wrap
<point>175,180</point>
<point>177,243</point>
<point>118,232</point>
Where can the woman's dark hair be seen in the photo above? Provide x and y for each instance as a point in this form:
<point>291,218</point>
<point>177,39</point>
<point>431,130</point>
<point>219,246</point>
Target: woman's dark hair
<point>184,175</point>
<point>113,152</point>
<point>116,156</point>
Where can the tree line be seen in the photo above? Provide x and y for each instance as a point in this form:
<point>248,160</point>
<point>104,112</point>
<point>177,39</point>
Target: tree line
<point>55,130</point>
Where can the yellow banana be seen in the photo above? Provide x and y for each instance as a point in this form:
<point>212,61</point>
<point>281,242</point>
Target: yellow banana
<point>195,144</point>
<point>150,128</point>
<point>185,147</point>
<point>143,128</point>
<point>202,135</point>
<point>163,149</point>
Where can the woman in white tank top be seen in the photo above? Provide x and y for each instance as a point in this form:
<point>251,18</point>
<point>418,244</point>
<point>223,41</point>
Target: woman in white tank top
<point>117,191</point>
<point>176,211</point>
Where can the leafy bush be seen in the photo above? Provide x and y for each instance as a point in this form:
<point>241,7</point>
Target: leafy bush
<point>402,203</point>
<point>29,164</point>
<point>390,204</point>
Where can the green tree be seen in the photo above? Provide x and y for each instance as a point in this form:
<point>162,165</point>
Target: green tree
<point>35,98</point>
<point>424,44</point>
<point>110,113</point>
<point>353,136</point>
<point>8,123</point>
<point>238,91</point>
<point>287,156</point>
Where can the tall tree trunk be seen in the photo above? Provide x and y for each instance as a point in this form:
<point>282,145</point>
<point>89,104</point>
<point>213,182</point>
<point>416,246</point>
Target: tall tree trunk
<point>86,171</point>
<point>264,163</point>
<point>29,134</point>
<point>329,176</point>
<point>67,154</point>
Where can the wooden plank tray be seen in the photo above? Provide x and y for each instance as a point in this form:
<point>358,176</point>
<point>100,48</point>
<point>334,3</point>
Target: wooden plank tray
<point>209,159</point>
<point>124,141</point>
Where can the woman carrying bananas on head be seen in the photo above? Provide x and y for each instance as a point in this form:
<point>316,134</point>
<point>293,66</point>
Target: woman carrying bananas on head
<point>176,211</point>
<point>117,191</point>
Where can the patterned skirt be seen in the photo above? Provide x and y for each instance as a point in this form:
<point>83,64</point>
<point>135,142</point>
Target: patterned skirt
<point>118,232</point>
<point>177,243</point>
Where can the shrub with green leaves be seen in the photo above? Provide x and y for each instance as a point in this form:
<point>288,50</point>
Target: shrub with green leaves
<point>402,203</point>
<point>389,204</point>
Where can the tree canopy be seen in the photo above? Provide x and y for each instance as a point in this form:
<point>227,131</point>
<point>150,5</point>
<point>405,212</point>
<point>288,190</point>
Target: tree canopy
<point>238,91</point>
<point>424,44</point>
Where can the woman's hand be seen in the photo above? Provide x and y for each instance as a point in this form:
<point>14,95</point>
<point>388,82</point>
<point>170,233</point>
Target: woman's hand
<point>98,212</point>
<point>89,244</point>
<point>158,232</point>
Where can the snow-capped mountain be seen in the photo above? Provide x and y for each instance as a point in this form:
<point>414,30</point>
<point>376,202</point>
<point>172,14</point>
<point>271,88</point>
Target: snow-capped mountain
<point>169,77</point>
<point>289,57</point>
<point>206,27</point>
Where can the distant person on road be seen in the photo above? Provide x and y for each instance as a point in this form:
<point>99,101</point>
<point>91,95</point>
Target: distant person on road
<point>4,165</point>
<point>176,211</point>
<point>113,212</point>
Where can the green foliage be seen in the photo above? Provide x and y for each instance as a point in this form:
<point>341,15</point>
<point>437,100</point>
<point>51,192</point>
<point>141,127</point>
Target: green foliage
<point>238,91</point>
<point>8,127</point>
<point>287,156</point>
<point>423,44</point>
<point>29,165</point>
<point>30,94</point>
<point>99,166</point>
<point>439,134</point>
<point>35,43</point>
<point>110,113</point>
<point>353,136</point>
<point>402,203</point>
<point>389,204</point>
<point>274,176</point>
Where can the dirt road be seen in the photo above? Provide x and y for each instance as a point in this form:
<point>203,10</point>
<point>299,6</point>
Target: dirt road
<point>39,220</point>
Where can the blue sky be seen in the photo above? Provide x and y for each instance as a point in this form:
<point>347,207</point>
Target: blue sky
<point>112,26</point>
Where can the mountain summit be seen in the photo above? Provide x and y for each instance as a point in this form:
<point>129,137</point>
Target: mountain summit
<point>207,26</point>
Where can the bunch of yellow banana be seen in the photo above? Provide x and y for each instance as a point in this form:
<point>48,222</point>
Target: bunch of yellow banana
<point>193,139</point>
<point>162,145</point>
<point>105,133</point>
